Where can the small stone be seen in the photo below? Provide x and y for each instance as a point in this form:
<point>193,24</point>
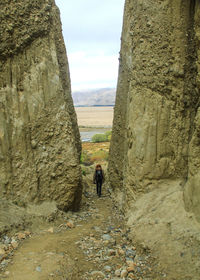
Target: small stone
<point>130,253</point>
<point>7,240</point>
<point>2,251</point>
<point>124,273</point>
<point>70,225</point>
<point>21,235</point>
<point>111,252</point>
<point>38,269</point>
<point>131,276</point>
<point>97,273</point>
<point>118,272</point>
<point>106,242</point>
<point>121,252</point>
<point>7,272</point>
<point>4,262</point>
<point>130,263</point>
<point>107,268</point>
<point>106,237</point>
<point>33,144</point>
<point>130,268</point>
<point>14,244</point>
<point>50,230</point>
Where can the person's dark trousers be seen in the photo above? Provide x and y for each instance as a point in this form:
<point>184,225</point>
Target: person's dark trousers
<point>99,184</point>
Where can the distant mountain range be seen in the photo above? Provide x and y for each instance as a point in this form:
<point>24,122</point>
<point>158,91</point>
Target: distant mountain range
<point>94,97</point>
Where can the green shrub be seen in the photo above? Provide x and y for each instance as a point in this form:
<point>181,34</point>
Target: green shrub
<point>102,137</point>
<point>99,138</point>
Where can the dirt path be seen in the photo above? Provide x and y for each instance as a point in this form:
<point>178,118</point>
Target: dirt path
<point>91,244</point>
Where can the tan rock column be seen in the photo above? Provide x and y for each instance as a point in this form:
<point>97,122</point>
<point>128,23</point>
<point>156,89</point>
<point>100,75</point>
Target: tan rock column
<point>39,139</point>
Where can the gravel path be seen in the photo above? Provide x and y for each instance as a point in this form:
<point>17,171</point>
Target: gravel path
<point>90,244</point>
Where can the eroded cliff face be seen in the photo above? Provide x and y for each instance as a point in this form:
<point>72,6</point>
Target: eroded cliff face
<point>39,138</point>
<point>154,165</point>
<point>157,103</point>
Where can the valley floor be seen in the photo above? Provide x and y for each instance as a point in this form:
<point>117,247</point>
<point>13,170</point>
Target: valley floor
<point>91,244</point>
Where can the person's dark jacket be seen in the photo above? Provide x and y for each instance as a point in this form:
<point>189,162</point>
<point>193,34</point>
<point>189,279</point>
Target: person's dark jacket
<point>96,177</point>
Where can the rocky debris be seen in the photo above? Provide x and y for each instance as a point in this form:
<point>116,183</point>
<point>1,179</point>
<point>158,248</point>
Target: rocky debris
<point>111,252</point>
<point>109,259</point>
<point>101,247</point>
<point>8,245</point>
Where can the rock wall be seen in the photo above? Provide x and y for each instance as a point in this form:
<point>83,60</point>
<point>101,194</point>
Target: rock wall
<point>39,138</point>
<point>154,161</point>
<point>157,97</point>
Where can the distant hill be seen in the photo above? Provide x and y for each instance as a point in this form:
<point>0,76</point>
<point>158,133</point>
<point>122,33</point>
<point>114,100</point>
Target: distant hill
<point>98,97</point>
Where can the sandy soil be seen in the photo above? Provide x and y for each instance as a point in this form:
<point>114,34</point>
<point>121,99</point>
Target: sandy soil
<point>95,116</point>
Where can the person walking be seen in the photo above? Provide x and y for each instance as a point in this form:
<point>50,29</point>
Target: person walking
<point>98,178</point>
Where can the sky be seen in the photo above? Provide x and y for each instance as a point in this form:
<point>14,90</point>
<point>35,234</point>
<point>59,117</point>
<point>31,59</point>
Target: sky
<point>92,31</point>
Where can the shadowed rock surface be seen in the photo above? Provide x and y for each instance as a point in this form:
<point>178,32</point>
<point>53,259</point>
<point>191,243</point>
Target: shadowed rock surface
<point>154,155</point>
<point>39,139</point>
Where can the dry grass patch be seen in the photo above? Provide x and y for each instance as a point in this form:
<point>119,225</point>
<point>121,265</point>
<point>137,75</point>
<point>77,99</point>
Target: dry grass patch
<point>94,152</point>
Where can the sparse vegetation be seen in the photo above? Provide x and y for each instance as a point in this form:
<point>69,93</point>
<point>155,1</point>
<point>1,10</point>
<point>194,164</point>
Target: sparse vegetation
<point>99,156</point>
<point>97,138</point>
<point>85,158</point>
<point>83,172</point>
<point>94,152</point>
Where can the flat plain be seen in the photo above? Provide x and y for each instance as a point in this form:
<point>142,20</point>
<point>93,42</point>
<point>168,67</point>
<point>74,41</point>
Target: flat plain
<point>95,116</point>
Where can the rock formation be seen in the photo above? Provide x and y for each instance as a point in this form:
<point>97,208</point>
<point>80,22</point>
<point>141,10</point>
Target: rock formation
<point>39,139</point>
<point>155,147</point>
<point>156,124</point>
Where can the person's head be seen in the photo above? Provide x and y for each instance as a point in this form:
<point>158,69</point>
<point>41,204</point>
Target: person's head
<point>98,167</point>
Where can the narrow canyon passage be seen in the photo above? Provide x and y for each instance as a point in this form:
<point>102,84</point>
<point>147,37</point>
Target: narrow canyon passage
<point>90,244</point>
<point>153,163</point>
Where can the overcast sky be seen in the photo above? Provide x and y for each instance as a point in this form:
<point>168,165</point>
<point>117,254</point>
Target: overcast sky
<point>92,31</point>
